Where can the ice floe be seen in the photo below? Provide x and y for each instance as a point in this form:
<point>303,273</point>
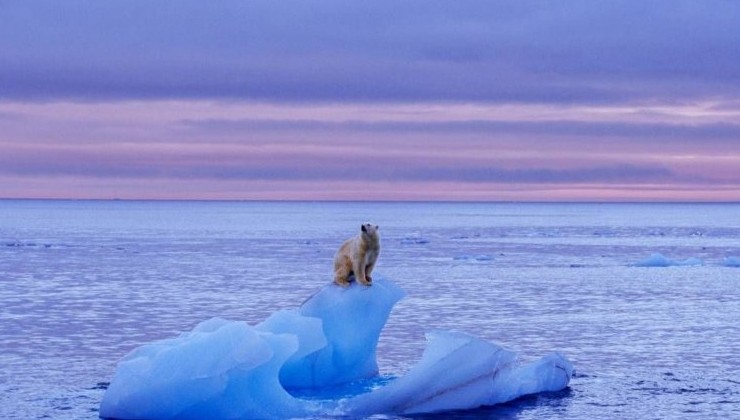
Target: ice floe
<point>231,370</point>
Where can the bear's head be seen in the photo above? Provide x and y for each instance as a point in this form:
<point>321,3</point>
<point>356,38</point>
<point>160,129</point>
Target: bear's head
<point>370,231</point>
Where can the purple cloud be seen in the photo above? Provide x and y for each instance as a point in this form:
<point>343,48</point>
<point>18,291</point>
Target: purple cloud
<point>203,164</point>
<point>721,131</point>
<point>331,50</point>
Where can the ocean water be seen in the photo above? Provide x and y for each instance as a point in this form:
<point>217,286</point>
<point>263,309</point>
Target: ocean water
<point>84,282</point>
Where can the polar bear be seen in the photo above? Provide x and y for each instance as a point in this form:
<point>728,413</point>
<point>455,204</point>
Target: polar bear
<point>358,256</point>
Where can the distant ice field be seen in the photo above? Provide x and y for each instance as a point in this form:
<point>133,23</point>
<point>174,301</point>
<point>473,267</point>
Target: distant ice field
<point>84,282</point>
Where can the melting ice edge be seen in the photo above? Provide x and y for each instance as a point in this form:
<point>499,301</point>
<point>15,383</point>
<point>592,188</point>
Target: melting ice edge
<point>231,370</point>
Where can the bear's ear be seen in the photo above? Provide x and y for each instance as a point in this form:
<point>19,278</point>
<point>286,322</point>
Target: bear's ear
<point>377,227</point>
<point>364,229</point>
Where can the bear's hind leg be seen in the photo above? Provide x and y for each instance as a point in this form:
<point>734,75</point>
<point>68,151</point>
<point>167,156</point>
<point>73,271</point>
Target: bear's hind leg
<point>341,276</point>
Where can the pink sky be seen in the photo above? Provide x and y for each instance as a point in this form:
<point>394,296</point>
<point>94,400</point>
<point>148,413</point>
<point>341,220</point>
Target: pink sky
<point>244,151</point>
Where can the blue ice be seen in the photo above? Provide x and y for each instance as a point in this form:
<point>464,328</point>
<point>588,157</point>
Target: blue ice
<point>660,260</point>
<point>458,371</point>
<point>731,262</point>
<point>231,370</point>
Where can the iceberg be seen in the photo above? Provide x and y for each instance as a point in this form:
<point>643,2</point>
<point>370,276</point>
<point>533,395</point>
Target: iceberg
<point>231,370</point>
<point>659,260</point>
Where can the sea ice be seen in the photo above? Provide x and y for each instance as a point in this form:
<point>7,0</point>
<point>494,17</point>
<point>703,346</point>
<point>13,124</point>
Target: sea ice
<point>220,370</point>
<point>466,257</point>
<point>231,370</point>
<point>731,262</point>
<point>330,339</point>
<point>413,240</point>
<point>459,371</point>
<point>659,260</point>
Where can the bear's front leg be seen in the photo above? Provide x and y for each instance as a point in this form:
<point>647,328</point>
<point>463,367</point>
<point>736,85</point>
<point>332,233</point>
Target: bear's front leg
<point>359,270</point>
<point>368,271</point>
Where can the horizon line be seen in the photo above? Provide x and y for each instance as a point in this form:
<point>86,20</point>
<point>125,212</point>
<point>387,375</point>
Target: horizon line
<point>410,201</point>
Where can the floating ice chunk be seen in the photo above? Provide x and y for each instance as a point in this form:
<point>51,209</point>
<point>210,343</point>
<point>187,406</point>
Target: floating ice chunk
<point>459,371</point>
<point>466,257</point>
<point>230,370</point>
<point>412,240</point>
<point>220,370</point>
<point>693,261</point>
<point>659,260</point>
<point>655,260</point>
<point>731,262</point>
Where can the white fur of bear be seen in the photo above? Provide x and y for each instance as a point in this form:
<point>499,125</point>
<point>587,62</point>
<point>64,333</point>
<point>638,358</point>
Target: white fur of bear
<point>358,256</point>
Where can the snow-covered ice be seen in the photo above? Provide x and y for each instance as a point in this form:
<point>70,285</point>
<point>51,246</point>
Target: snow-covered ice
<point>231,370</point>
